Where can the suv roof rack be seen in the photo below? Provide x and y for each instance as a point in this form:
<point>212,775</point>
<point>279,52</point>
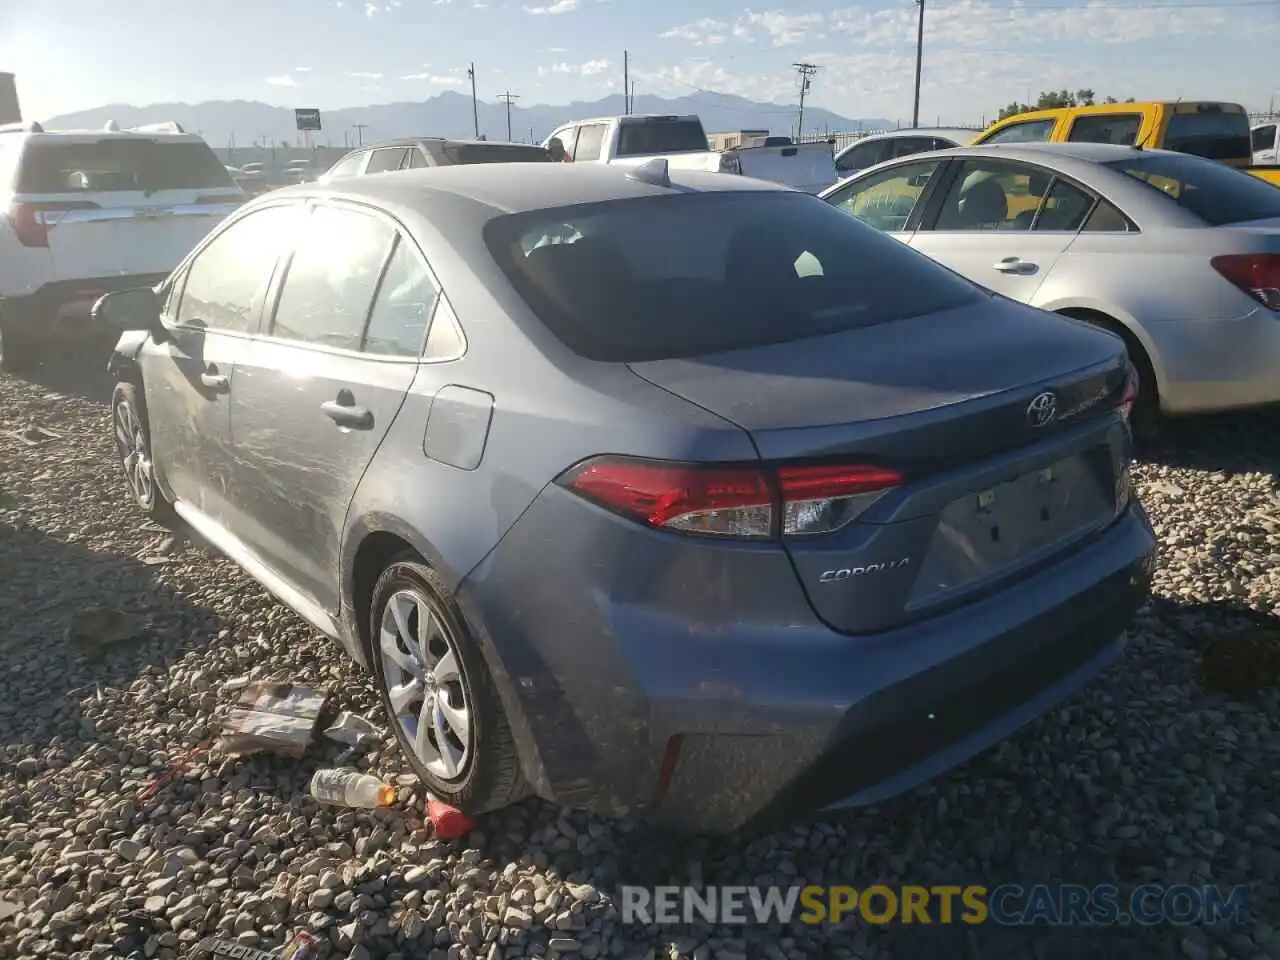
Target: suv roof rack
<point>22,126</point>
<point>164,126</point>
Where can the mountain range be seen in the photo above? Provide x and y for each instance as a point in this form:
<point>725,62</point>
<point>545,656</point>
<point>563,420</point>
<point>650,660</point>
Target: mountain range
<point>448,114</point>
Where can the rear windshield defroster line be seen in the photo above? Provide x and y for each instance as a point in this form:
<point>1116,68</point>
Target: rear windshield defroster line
<point>683,275</point>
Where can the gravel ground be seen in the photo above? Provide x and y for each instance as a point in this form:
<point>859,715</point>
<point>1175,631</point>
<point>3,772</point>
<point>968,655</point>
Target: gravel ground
<point>1146,777</point>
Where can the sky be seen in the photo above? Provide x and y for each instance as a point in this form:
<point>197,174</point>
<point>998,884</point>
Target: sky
<point>978,54</point>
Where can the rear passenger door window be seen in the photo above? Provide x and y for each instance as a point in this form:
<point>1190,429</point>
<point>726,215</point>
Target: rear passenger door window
<point>388,158</point>
<point>1063,208</point>
<point>906,146</point>
<point>348,166</point>
<point>402,311</point>
<point>590,140</point>
<point>1118,128</point>
<point>226,283</point>
<point>330,282</point>
<point>864,155</point>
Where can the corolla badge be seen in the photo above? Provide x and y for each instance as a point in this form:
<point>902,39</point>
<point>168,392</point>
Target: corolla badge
<point>1043,409</point>
<point>848,573</point>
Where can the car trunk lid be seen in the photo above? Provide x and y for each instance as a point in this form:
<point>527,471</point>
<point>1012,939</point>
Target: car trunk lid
<point>996,477</point>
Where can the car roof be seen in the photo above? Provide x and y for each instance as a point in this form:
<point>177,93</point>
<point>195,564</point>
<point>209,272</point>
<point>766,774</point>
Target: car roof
<point>632,118</point>
<point>93,136</point>
<point>519,187</point>
<point>954,132</point>
<point>412,141</point>
<point>1088,152</point>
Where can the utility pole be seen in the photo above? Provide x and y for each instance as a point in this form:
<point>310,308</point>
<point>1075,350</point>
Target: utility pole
<point>806,71</point>
<point>508,98</point>
<point>633,97</point>
<point>626,83</point>
<point>359,133</point>
<point>915,110</point>
<point>475,110</point>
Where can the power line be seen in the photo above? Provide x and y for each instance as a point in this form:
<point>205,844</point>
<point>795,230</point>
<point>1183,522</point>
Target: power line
<point>508,98</point>
<point>807,72</point>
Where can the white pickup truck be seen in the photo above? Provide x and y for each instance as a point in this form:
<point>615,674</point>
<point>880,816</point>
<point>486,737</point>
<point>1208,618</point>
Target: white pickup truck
<point>632,140</point>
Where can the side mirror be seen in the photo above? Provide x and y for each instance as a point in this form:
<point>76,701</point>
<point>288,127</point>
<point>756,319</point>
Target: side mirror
<point>137,308</point>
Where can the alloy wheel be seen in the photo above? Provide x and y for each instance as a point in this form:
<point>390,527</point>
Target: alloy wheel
<point>131,441</point>
<point>425,684</point>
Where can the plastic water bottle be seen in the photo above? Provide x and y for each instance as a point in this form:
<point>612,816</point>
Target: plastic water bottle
<point>351,788</point>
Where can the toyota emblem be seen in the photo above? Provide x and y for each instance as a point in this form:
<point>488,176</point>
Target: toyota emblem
<point>1043,409</point>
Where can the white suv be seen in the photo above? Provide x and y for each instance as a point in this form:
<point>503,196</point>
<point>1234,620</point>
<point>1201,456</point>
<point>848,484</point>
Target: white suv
<point>86,212</point>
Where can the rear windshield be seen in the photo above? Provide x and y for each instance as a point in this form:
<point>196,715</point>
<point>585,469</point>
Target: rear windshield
<point>637,138</point>
<point>1212,135</point>
<point>1215,193</point>
<point>675,276</point>
<point>120,164</point>
<point>494,153</point>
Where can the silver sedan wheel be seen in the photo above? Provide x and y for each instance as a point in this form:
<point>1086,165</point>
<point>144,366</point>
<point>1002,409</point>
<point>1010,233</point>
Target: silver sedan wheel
<point>428,693</point>
<point>131,441</point>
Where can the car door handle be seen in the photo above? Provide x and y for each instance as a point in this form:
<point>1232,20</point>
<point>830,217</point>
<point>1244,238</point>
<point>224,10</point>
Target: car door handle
<point>1015,265</point>
<point>215,382</point>
<point>348,415</point>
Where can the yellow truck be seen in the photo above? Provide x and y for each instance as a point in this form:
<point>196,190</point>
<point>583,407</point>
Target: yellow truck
<point>1215,131</point>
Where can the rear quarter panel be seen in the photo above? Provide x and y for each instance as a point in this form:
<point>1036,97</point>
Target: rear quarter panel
<point>1146,281</point>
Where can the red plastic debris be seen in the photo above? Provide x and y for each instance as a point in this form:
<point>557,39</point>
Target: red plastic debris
<point>175,770</point>
<point>450,823</point>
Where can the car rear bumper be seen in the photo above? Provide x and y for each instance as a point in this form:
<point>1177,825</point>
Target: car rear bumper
<point>61,309</point>
<point>714,722</point>
<point>1212,365</point>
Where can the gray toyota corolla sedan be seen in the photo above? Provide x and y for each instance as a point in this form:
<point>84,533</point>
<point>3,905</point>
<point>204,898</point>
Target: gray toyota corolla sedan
<point>650,492</point>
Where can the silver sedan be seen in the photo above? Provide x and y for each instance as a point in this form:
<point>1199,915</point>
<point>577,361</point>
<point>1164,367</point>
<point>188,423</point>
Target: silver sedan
<point>1178,255</point>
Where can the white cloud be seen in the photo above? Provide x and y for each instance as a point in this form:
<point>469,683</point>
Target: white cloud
<point>301,69</point>
<point>589,69</point>
<point>554,9</point>
<point>363,75</point>
<point>283,80</point>
<point>435,79</point>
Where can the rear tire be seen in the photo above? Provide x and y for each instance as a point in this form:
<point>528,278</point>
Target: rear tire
<point>1145,416</point>
<point>465,753</point>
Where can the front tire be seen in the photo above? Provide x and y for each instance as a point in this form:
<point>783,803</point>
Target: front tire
<point>133,448</point>
<point>438,693</point>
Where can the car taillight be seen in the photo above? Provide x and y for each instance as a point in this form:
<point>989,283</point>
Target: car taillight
<point>31,222</point>
<point>1257,274</point>
<point>1129,395</point>
<point>751,502</point>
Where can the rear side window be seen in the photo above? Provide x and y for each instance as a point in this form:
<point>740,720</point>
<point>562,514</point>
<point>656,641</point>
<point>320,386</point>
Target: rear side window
<point>637,138</point>
<point>330,284</point>
<point>387,159</point>
<point>1264,138</point>
<point>1118,128</point>
<point>1212,134</point>
<point>1215,193</point>
<point>494,153</point>
<point>406,298</point>
<point>674,276</point>
<point>119,164</point>
<point>864,155</point>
